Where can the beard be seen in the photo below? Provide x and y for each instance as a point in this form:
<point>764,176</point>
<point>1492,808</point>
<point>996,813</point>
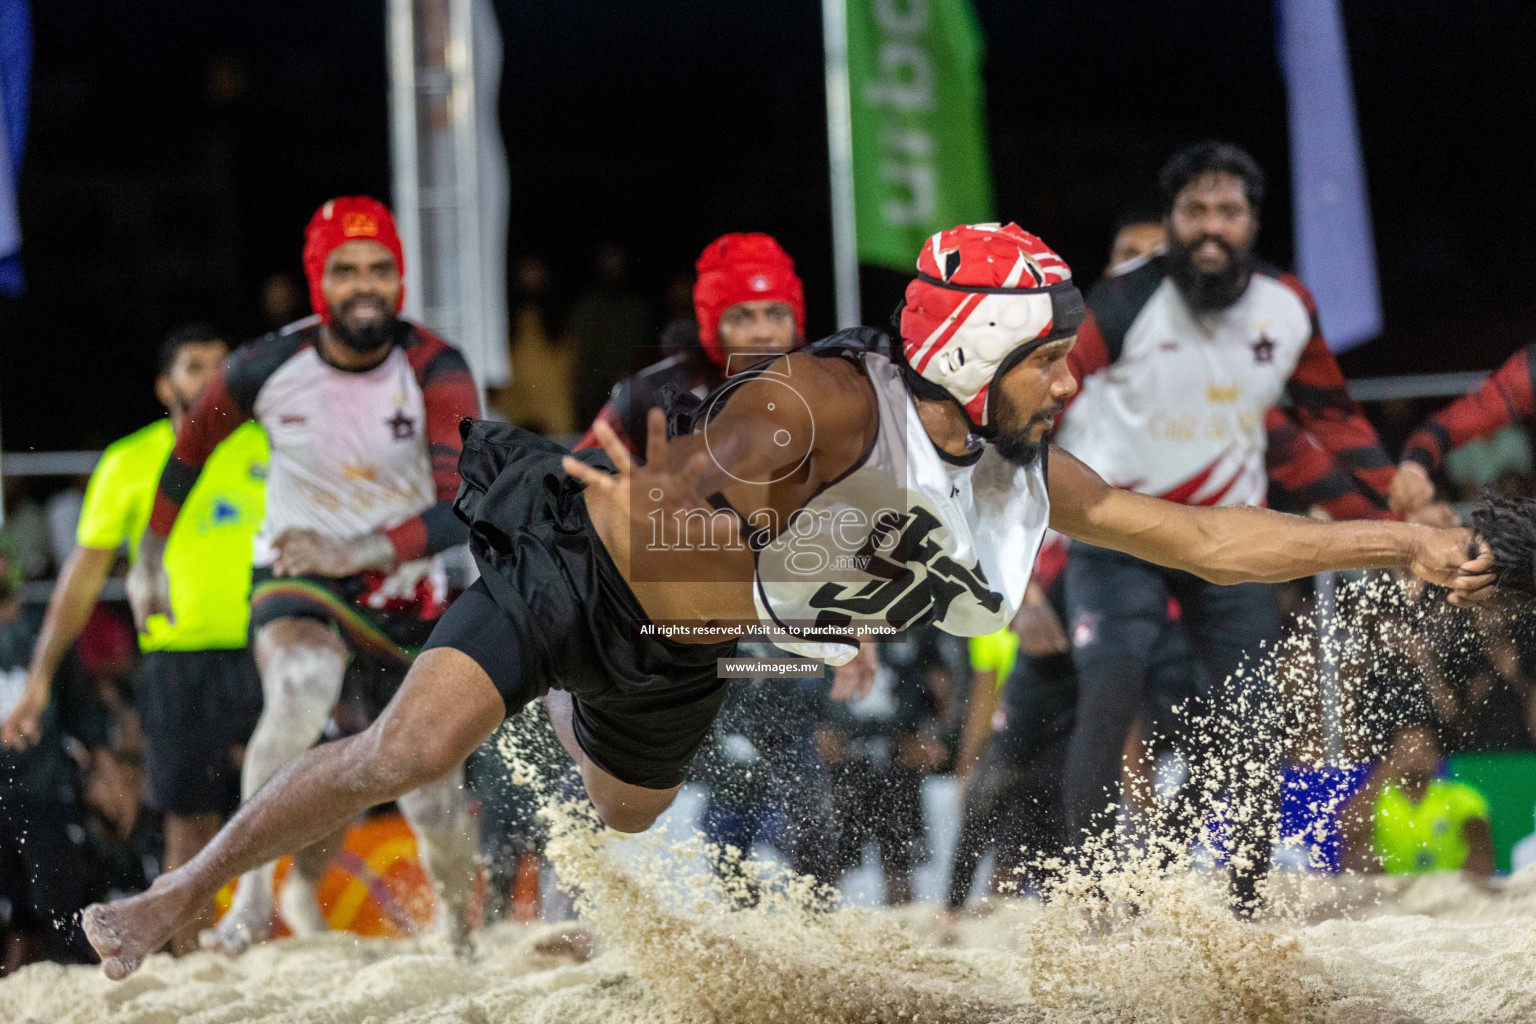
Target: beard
<point>370,335</point>
<point>1013,442</point>
<point>1207,292</point>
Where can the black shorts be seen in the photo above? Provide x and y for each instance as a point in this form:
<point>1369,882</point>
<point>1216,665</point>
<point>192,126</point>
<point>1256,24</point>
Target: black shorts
<point>197,706</point>
<point>551,610</point>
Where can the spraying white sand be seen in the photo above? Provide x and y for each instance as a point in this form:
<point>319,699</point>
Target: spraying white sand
<point>1435,949</point>
<point>673,950</point>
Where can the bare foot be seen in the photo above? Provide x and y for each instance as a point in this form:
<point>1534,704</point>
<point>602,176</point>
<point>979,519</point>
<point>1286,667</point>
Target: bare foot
<point>126,931</point>
<point>299,907</point>
<point>248,922</point>
<point>574,942</point>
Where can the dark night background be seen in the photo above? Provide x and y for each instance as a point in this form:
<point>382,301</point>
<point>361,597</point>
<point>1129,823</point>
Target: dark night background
<point>176,151</point>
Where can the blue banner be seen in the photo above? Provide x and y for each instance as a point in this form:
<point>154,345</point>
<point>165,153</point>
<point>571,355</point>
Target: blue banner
<point>15,79</point>
<point>1335,252</point>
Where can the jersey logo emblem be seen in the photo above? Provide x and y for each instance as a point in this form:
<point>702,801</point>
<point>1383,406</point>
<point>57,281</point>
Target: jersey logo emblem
<point>896,591</point>
<point>1219,394</point>
<point>225,511</point>
<point>359,225</point>
<point>1263,350</point>
<point>403,426</point>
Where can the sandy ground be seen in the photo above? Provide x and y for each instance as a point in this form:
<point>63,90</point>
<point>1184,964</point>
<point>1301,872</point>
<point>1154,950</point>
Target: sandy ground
<point>1436,949</point>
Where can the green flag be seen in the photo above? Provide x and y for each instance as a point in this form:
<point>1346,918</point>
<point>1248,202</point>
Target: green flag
<point>919,135</point>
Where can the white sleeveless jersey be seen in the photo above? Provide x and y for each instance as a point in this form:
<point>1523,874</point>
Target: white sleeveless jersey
<point>1180,413</point>
<point>905,538</point>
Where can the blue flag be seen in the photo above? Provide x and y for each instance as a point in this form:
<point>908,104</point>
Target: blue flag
<point>1335,252</point>
<point>15,79</point>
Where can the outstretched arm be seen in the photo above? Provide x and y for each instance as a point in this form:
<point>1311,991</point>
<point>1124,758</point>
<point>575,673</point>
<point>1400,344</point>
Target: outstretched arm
<point>1239,544</point>
<point>1507,396</point>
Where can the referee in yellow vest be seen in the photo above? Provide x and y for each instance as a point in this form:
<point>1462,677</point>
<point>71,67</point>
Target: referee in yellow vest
<point>199,698</point>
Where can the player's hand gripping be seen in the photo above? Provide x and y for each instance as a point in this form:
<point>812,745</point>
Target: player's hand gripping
<point>1411,488</point>
<point>666,482</point>
<point>148,586</point>
<point>1454,559</point>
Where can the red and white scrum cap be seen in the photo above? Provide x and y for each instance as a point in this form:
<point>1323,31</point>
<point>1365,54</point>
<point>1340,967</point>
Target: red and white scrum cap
<point>985,297</point>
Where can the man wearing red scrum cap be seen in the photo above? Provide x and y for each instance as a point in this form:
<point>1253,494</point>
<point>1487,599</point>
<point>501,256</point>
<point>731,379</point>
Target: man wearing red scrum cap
<point>849,488</point>
<point>750,305</point>
<point>362,410</point>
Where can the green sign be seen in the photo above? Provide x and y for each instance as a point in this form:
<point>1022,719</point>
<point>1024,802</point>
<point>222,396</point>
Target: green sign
<point>919,135</point>
<point>1509,783</point>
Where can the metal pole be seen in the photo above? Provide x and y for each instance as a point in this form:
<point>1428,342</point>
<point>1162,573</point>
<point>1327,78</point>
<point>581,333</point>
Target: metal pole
<point>1332,696</point>
<point>845,257</point>
<point>461,64</point>
<point>404,151</point>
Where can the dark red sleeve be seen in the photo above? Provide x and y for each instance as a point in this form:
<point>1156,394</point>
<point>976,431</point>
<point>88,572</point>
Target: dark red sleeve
<point>1051,560</point>
<point>608,414</point>
<point>212,418</point>
<point>1089,355</point>
<point>1335,421</point>
<point>449,394</point>
<point>1507,396</point>
<point>1306,474</point>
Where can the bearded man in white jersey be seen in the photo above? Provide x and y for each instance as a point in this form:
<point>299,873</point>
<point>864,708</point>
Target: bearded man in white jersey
<point>362,411</point>
<point>1182,357</point>
<point>590,576</point>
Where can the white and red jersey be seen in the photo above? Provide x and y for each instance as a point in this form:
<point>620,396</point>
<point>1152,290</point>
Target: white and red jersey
<point>1173,403</point>
<point>907,535</point>
<point>353,452</point>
